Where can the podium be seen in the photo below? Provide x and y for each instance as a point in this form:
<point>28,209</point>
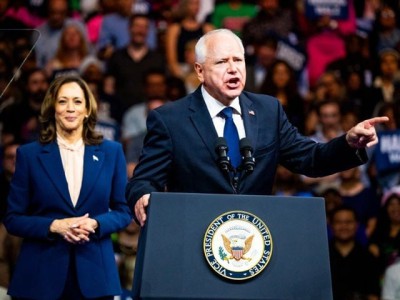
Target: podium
<point>171,263</point>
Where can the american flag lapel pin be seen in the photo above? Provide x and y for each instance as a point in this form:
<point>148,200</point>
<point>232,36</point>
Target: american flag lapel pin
<point>252,113</point>
<point>95,158</point>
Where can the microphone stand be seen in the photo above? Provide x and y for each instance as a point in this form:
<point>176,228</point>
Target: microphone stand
<point>245,168</point>
<point>224,163</point>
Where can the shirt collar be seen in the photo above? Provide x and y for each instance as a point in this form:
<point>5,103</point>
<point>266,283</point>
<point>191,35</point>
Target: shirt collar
<point>65,145</point>
<point>215,107</point>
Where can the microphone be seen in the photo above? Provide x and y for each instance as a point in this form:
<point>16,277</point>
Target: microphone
<point>221,148</point>
<point>248,161</point>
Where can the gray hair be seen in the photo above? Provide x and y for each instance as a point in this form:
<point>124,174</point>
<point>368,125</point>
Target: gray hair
<point>201,49</point>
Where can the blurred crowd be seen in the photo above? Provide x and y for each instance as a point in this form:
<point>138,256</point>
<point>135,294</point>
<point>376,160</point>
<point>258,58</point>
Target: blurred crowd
<point>330,69</point>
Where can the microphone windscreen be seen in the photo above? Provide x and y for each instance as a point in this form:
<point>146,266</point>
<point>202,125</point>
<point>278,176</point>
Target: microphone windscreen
<point>245,144</point>
<point>220,142</point>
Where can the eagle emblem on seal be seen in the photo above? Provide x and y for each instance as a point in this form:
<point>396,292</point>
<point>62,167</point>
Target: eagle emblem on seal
<point>237,246</point>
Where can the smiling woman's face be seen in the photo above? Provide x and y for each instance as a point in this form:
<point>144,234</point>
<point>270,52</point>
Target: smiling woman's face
<point>70,109</point>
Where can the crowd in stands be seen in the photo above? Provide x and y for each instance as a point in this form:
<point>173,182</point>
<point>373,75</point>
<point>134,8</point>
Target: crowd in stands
<point>328,71</point>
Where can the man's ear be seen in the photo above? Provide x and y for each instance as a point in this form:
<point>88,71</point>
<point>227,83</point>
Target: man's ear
<point>199,71</point>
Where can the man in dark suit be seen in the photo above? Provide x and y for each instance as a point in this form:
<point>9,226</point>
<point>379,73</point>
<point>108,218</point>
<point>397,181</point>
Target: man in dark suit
<point>179,152</point>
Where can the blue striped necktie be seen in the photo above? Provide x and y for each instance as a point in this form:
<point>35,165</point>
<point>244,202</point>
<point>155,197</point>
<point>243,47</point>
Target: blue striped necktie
<point>232,137</point>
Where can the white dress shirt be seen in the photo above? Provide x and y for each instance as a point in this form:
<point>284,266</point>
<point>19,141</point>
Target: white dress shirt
<point>72,160</point>
<point>214,108</point>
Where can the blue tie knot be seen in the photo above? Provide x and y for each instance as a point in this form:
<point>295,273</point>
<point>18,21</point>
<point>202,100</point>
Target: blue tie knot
<point>227,112</point>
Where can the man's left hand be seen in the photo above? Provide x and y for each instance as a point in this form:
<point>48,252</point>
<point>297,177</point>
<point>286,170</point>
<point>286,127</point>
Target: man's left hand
<point>364,134</point>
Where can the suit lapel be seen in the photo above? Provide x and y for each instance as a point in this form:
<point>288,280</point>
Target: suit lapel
<point>249,115</point>
<point>92,164</point>
<point>50,160</point>
<point>202,121</point>
<point>204,125</point>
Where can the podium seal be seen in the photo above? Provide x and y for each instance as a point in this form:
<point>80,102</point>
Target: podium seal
<point>237,245</point>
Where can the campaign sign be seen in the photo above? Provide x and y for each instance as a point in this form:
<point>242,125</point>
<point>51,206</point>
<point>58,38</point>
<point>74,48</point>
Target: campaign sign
<point>336,9</point>
<point>387,152</point>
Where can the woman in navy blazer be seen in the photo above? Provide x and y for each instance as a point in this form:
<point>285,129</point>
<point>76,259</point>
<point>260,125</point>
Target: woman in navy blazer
<point>66,198</point>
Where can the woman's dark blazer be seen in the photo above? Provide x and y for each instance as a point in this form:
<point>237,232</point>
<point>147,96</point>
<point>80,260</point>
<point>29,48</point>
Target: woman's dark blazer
<point>39,195</point>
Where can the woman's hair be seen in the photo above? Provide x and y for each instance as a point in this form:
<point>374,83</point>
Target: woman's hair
<point>270,88</point>
<point>62,51</point>
<point>47,116</point>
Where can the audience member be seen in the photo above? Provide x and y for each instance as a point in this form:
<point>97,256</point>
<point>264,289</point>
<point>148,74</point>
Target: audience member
<point>106,125</point>
<point>24,57</point>
<point>271,19</point>
<point>6,63</point>
<point>358,96</point>
<point>386,85</point>
<point>288,183</point>
<point>9,244</point>
<point>356,71</point>
<point>354,270</point>
<point>361,198</point>
<point>385,156</point>
<point>328,128</point>
<point>333,200</point>
<point>95,19</point>
<point>129,64</point>
<point>8,22</point>
<point>349,119</point>
<point>92,70</point>
<point>20,120</point>
<point>391,282</point>
<point>19,10</point>
<point>115,30</point>
<point>176,88</point>
<point>233,14</point>
<point>50,31</point>
<point>72,49</point>
<point>324,40</point>
<point>190,78</point>
<point>262,58</point>
<point>206,9</point>
<point>385,240</point>
<point>184,29</point>
<point>163,12</point>
<point>134,144</point>
<point>8,96</point>
<point>126,254</point>
<point>281,83</point>
<point>356,59</point>
<point>134,119</point>
<point>6,173</point>
<point>386,33</point>
<point>330,86</point>
<point>366,14</point>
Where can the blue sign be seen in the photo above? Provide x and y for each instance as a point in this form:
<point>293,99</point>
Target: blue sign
<point>387,152</point>
<point>336,9</point>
